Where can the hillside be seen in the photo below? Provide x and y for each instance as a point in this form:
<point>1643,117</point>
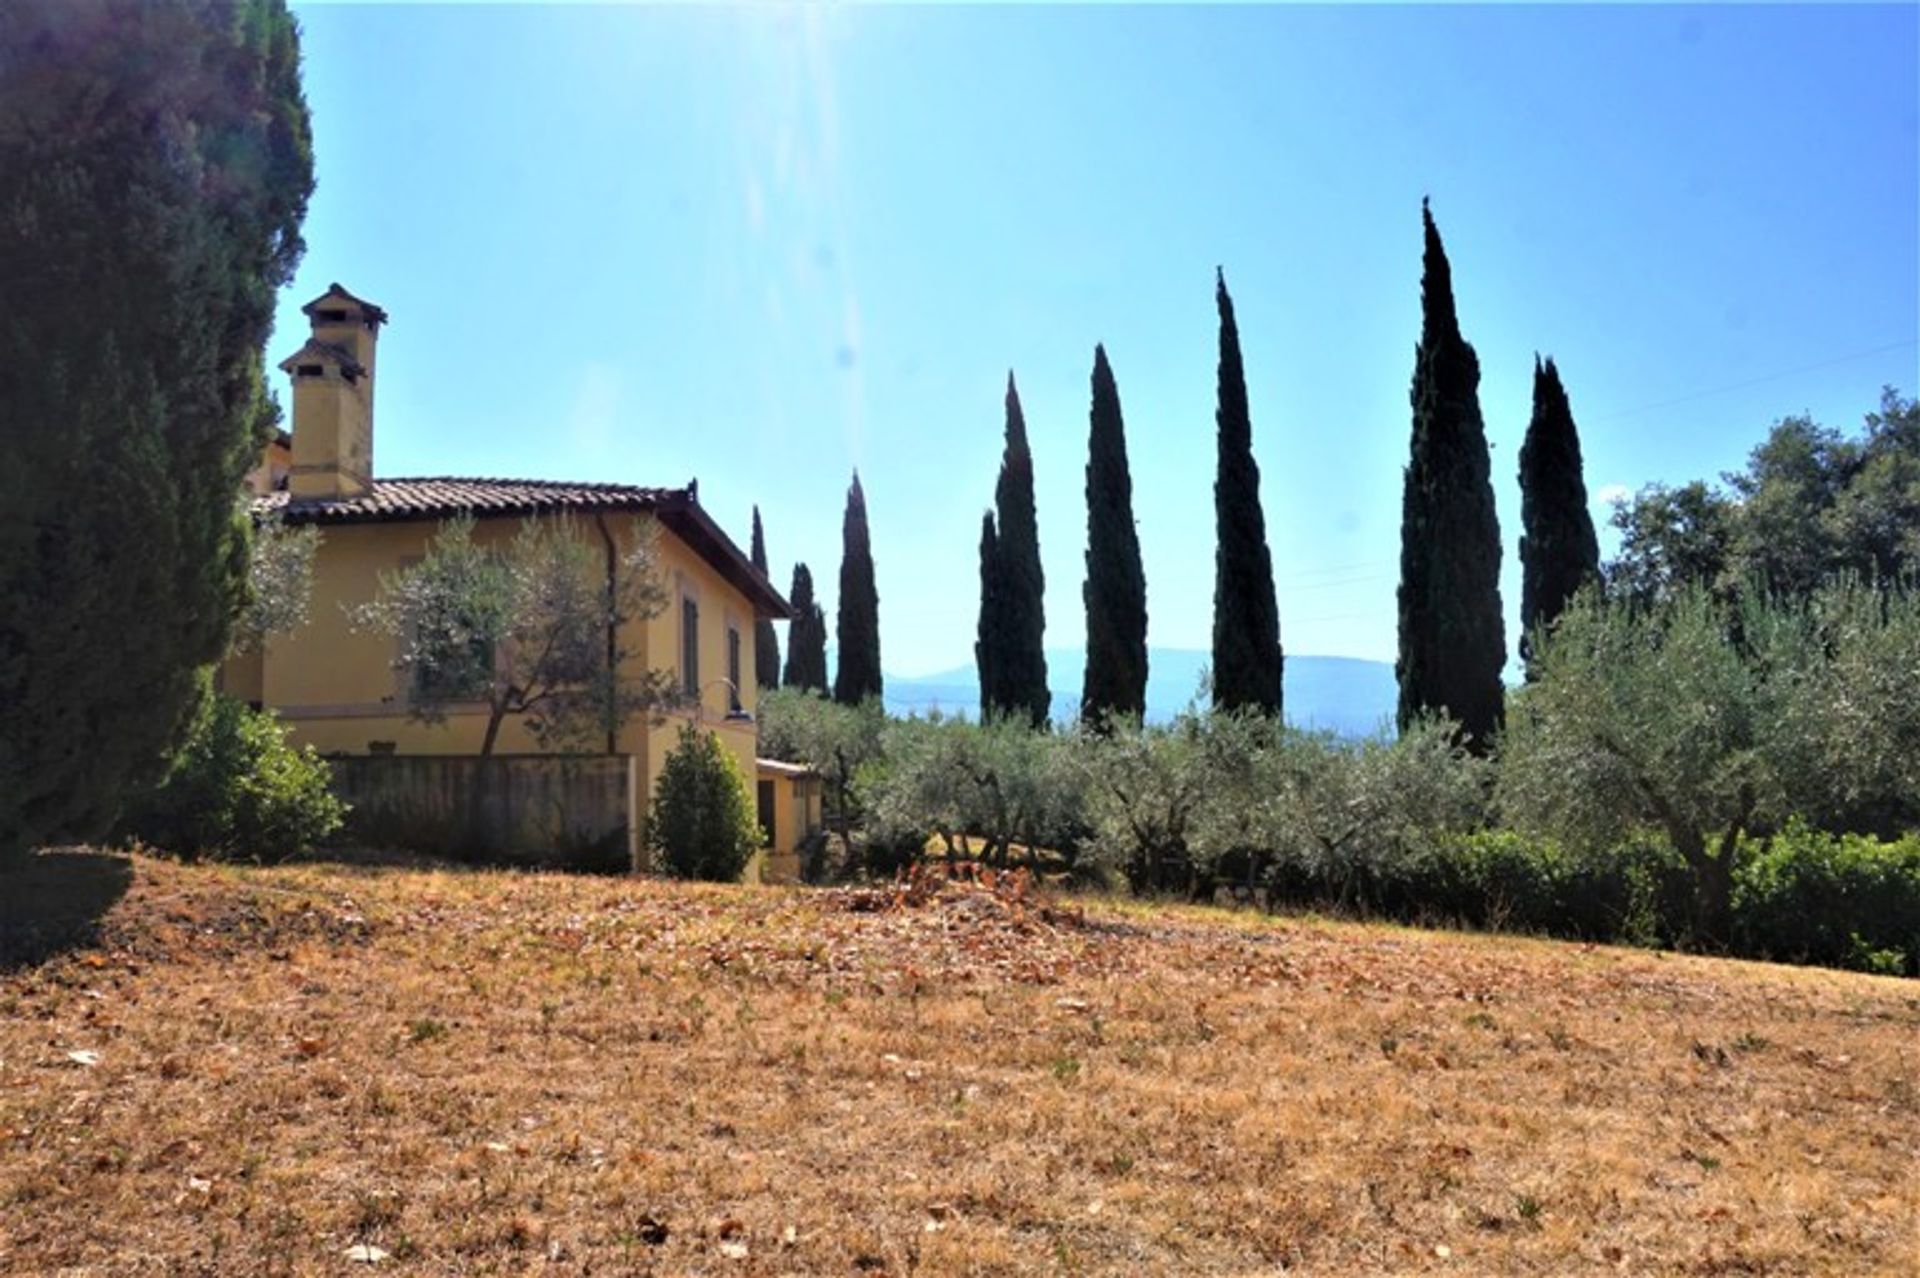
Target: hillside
<point>278,1071</point>
<point>1341,694</point>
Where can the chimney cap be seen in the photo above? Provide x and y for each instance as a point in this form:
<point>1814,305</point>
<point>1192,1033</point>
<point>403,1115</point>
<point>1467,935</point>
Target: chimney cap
<point>374,315</point>
<point>317,351</point>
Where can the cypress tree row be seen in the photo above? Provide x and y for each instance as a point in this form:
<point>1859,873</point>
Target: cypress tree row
<point>1558,550</point>
<point>1013,633</point>
<point>1452,639</point>
<point>858,676</point>
<point>1115,592</point>
<point>155,165</point>
<point>990,634</point>
<point>766,644</point>
<point>806,636</point>
<point>1247,658</point>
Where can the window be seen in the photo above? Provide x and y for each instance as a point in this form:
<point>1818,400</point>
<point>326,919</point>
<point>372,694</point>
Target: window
<point>332,317</point>
<point>733,670</point>
<point>309,370</point>
<point>765,796</point>
<point>690,648</point>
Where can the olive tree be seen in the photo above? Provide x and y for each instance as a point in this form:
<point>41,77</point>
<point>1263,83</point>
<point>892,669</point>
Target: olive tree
<point>1649,716</point>
<point>537,628</point>
<point>1344,813</point>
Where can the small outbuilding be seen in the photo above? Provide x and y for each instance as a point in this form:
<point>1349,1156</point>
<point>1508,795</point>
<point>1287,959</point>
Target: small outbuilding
<point>790,799</point>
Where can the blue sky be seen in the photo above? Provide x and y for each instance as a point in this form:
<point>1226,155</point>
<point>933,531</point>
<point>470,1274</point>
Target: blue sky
<point>763,246</point>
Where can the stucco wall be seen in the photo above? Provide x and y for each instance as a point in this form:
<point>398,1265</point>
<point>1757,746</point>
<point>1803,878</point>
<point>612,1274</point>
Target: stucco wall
<point>336,686</point>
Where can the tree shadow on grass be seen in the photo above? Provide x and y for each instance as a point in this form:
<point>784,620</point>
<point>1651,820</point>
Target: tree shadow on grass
<point>54,902</point>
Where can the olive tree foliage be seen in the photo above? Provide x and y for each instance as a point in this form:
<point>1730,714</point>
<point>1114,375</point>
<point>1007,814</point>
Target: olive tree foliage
<point>538,627</point>
<point>801,725</point>
<point>279,582</point>
<point>1338,811</point>
<point>1845,740</point>
<point>1149,788</point>
<point>1001,781</point>
<point>1650,717</point>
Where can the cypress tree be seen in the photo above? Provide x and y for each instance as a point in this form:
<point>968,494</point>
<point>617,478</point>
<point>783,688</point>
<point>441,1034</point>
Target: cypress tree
<point>858,676</point>
<point>1558,550</point>
<point>1013,639</point>
<point>155,165</point>
<point>991,631</point>
<point>807,636</point>
<point>766,644</point>
<point>1116,588</point>
<point>1247,667</point>
<point>1452,642</point>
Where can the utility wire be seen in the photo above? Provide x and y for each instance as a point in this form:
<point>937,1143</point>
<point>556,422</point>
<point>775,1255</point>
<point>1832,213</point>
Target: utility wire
<point>1760,381</point>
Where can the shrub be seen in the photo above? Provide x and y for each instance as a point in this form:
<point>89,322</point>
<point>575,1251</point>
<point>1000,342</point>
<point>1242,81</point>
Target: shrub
<point>1840,900</point>
<point>703,822</point>
<point>238,790</point>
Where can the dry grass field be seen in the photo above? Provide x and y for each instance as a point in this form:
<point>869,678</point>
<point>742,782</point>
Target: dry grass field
<point>329,1069</point>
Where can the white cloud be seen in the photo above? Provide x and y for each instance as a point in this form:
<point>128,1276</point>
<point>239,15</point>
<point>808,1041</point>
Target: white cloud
<point>1610,494</point>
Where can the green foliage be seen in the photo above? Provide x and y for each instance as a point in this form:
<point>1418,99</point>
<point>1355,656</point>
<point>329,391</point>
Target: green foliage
<point>1115,592</point>
<point>1011,648</point>
<point>1345,815</point>
<point>1841,900</point>
<point>806,636</point>
<point>766,644</point>
<point>1452,639</point>
<point>1844,735</point>
<point>1644,718</point>
<point>1247,659</point>
<point>155,165</point>
<point>835,740</point>
<point>702,821</point>
<point>539,627</point>
<point>279,582</point>
<point>1146,788</point>
<point>1003,781</point>
<point>238,791</point>
<point>1710,724</point>
<point>1811,505</point>
<point>1670,538</point>
<point>1558,550</point>
<point>858,623</point>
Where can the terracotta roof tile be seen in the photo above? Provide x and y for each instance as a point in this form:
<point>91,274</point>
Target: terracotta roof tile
<point>398,500</point>
<point>392,499</point>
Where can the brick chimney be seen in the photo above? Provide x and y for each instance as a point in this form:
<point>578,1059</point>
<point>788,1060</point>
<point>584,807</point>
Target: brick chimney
<point>333,398</point>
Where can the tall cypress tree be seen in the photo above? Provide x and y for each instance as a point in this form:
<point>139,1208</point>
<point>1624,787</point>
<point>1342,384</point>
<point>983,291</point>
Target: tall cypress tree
<point>858,676</point>
<point>807,636</point>
<point>155,165</point>
<point>1247,659</point>
<point>1452,640</point>
<point>991,633</point>
<point>1116,588</point>
<point>766,644</point>
<point>1558,550</point>
<point>1013,637</point>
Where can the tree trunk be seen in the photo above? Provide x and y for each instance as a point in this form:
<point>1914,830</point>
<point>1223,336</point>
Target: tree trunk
<point>494,716</point>
<point>1712,884</point>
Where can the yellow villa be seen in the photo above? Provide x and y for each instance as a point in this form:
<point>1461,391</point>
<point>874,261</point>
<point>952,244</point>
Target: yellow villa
<point>337,687</point>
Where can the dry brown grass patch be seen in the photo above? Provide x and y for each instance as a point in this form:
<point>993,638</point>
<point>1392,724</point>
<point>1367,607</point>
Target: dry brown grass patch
<point>485,1073</point>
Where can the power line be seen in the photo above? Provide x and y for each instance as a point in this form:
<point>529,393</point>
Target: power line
<point>1760,381</point>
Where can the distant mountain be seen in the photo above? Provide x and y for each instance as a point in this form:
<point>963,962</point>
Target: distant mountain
<point>1346,695</point>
